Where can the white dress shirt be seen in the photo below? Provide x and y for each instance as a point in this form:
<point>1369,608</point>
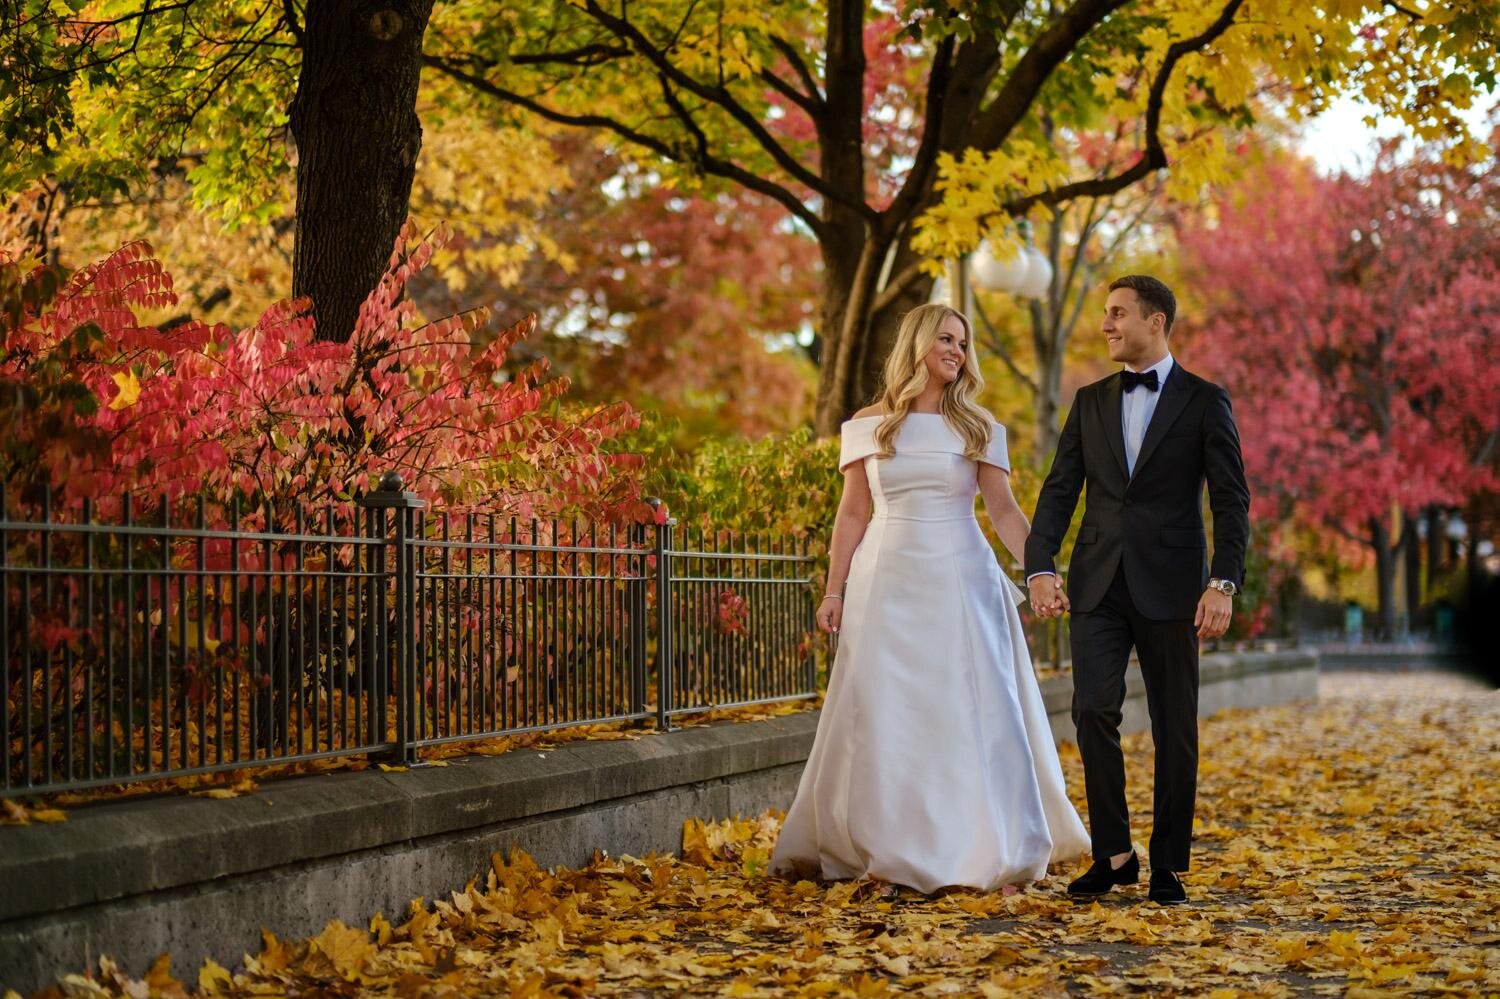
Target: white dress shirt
<point>1136,409</point>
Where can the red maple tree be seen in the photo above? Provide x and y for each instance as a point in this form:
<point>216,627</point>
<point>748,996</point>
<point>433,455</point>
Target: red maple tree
<point>1353,320</point>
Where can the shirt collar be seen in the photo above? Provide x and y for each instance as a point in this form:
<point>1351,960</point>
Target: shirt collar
<point>1161,368</point>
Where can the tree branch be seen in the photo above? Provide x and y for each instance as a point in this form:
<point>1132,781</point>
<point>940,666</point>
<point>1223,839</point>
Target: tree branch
<point>721,97</point>
<point>1031,71</point>
<point>289,15</point>
<point>708,164</point>
<point>917,183</point>
<point>997,344</point>
<point>791,93</point>
<point>1065,287</point>
<point>794,58</point>
<point>584,55</point>
<point>897,285</point>
<point>1486,450</point>
<point>1154,157</point>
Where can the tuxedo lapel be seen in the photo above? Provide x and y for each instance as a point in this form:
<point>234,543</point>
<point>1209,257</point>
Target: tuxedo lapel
<point>1174,396</point>
<point>1114,431</point>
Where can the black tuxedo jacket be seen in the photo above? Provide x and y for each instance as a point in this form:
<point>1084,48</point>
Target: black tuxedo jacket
<point>1152,520</point>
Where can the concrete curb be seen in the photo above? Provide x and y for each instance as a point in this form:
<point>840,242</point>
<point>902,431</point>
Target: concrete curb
<point>199,877</point>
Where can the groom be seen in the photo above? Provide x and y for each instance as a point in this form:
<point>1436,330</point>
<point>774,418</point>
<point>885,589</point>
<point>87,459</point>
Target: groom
<point>1143,440</point>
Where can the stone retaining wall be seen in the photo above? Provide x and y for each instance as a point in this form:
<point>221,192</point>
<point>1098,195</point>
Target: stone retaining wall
<point>199,877</point>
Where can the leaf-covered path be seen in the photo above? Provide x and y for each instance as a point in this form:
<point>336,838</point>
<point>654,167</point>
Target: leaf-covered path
<point>1348,847</point>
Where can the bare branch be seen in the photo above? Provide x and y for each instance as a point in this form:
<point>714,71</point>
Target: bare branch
<point>997,344</point>
<point>791,93</point>
<point>1065,288</point>
<point>794,58</point>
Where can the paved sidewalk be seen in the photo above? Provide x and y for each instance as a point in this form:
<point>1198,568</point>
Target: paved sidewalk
<point>1347,847</point>
<point>1385,685</point>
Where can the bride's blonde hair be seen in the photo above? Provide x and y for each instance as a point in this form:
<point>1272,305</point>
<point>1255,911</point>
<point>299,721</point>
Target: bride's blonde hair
<point>906,377</point>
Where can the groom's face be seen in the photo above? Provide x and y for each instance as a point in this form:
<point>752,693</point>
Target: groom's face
<point>1133,337</point>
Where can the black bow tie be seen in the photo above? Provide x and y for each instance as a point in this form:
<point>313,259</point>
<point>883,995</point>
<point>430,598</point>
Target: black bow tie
<point>1129,380</point>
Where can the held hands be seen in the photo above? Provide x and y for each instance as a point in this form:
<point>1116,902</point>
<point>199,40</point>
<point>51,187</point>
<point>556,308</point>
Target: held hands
<point>1214,610</point>
<point>1047,596</point>
<point>830,614</point>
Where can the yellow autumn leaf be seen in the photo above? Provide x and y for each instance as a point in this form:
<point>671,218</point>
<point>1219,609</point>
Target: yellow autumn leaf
<point>1294,951</point>
<point>159,975</point>
<point>129,390</point>
<point>213,979</point>
<point>79,987</point>
<point>273,955</point>
<point>346,948</point>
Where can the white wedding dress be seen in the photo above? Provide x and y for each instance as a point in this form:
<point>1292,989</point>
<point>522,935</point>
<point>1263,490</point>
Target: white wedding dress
<point>933,763</point>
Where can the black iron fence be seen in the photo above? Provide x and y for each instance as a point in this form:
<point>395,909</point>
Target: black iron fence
<point>137,646</point>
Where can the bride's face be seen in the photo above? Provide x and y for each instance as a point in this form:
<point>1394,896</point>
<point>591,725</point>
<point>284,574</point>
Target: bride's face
<point>948,355</point>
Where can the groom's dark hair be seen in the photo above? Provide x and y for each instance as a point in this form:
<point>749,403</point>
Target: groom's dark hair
<point>1155,296</point>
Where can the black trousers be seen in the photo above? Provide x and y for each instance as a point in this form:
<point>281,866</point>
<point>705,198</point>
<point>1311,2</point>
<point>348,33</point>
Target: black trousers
<point>1168,651</point>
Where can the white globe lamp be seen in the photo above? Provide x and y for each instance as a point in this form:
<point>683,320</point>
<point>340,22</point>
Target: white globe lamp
<point>991,273</point>
<point>1038,274</point>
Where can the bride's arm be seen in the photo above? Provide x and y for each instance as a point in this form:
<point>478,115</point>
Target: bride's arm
<point>849,526</point>
<point>1004,512</point>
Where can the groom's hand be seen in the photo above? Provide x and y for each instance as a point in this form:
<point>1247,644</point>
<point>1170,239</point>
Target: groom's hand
<point>1047,598</point>
<point>1214,610</point>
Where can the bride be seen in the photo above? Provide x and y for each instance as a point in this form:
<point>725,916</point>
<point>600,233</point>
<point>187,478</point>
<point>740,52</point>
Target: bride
<point>933,763</point>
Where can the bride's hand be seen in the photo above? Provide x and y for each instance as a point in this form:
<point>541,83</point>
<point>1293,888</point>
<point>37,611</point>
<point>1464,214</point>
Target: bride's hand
<point>830,614</point>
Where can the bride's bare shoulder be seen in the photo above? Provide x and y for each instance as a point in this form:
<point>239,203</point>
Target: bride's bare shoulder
<point>868,411</point>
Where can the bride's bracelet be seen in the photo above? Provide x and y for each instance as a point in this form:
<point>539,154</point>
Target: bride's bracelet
<point>834,596</point>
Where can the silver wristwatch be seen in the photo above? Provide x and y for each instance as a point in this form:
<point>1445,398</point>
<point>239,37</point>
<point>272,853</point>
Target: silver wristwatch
<point>1224,586</point>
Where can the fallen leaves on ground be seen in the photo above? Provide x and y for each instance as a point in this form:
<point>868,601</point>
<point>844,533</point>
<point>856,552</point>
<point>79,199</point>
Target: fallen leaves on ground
<point>15,813</point>
<point>1344,848</point>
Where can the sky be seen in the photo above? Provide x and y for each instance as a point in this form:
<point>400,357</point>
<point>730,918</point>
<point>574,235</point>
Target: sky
<point>1339,139</point>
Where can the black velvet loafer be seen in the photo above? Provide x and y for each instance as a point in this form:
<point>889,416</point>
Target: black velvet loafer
<point>1166,888</point>
<point>1100,878</point>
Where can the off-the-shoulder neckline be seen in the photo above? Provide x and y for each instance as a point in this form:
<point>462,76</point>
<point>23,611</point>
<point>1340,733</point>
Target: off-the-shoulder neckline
<point>881,416</point>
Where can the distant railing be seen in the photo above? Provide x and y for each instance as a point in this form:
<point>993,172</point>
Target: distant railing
<point>141,648</point>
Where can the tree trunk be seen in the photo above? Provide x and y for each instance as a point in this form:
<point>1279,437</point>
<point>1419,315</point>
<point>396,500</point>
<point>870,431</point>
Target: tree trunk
<point>880,337</point>
<point>857,337</point>
<point>1434,548</point>
<point>837,398</point>
<point>355,124</point>
<point>1412,547</point>
<point>1385,578</point>
<point>1049,344</point>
